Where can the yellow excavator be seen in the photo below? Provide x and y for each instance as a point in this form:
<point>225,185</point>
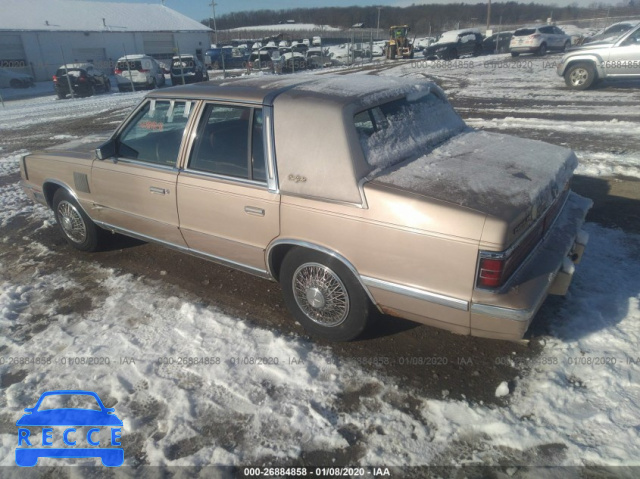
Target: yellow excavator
<point>399,45</point>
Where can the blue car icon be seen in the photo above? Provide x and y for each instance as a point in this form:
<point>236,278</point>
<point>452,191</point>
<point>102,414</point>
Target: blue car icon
<point>69,417</point>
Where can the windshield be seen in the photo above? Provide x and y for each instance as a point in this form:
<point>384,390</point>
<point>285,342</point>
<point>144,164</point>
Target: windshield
<point>404,128</point>
<point>523,32</point>
<point>65,401</point>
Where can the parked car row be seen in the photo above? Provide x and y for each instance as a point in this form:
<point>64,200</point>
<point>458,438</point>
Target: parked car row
<point>614,53</point>
<point>132,72</point>
<point>269,58</point>
<point>536,39</point>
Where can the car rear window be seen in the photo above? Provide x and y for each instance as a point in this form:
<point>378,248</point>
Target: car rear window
<point>524,32</point>
<point>133,65</point>
<point>392,132</point>
<point>185,65</point>
<point>263,57</point>
<point>73,72</point>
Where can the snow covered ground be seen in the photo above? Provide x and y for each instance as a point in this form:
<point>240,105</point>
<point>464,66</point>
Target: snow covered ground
<point>195,386</point>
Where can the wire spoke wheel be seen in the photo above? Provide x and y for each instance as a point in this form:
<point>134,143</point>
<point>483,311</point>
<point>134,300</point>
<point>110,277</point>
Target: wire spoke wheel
<point>320,294</point>
<point>72,222</point>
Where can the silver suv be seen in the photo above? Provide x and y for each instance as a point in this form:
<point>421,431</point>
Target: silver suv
<point>538,39</point>
<point>619,58</point>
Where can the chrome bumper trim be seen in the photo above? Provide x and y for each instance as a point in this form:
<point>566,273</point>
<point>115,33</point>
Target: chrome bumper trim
<point>416,293</point>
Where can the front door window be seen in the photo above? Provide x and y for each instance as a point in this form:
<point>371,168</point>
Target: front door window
<point>155,133</point>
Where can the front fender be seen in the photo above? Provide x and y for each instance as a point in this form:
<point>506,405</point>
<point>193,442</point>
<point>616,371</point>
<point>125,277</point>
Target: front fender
<point>595,59</point>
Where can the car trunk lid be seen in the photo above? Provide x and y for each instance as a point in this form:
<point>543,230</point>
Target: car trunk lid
<point>513,181</point>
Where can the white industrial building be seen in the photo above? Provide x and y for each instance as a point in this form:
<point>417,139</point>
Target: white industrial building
<point>37,36</point>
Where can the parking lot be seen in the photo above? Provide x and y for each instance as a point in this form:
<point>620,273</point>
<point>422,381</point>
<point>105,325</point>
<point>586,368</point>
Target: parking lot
<point>427,395</point>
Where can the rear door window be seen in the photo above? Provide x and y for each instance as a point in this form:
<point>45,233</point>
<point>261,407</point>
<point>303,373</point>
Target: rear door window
<point>229,143</point>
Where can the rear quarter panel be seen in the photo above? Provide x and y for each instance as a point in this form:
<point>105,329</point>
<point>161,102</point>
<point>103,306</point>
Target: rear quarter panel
<point>399,238</point>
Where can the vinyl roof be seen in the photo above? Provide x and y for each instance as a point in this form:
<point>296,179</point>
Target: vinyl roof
<point>341,89</point>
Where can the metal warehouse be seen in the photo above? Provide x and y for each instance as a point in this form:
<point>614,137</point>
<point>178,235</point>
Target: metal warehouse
<point>37,36</point>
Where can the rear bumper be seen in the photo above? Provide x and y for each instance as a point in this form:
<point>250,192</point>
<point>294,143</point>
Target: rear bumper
<point>136,82</point>
<point>78,89</point>
<point>178,80</point>
<point>524,49</point>
<point>548,270</point>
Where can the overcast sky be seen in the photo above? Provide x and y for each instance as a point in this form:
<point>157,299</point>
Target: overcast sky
<point>200,9</point>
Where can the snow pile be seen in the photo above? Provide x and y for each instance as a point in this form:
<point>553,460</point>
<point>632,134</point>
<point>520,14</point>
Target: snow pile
<point>502,390</point>
<point>10,164</point>
<point>609,163</point>
<point>182,410</point>
<point>613,127</point>
<point>13,202</point>
<point>452,35</point>
<point>21,113</point>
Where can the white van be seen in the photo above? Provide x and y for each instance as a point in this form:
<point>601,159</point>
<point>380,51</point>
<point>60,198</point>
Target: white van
<point>139,71</point>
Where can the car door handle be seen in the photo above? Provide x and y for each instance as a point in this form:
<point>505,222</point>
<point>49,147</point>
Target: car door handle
<point>158,191</point>
<point>252,210</point>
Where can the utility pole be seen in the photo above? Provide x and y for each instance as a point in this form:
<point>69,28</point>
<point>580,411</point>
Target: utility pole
<point>378,28</point>
<point>215,29</point>
<point>489,15</point>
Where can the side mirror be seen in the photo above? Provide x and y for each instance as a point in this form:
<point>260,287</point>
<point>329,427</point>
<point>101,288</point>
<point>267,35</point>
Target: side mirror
<point>106,150</point>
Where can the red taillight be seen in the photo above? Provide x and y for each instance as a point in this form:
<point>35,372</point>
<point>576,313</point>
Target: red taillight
<point>55,79</point>
<point>143,71</point>
<point>117,71</point>
<point>495,272</point>
<point>82,79</point>
<point>490,272</point>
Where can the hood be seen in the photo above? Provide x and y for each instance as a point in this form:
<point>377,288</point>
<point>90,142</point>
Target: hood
<point>85,144</point>
<point>499,175</point>
<point>592,46</point>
